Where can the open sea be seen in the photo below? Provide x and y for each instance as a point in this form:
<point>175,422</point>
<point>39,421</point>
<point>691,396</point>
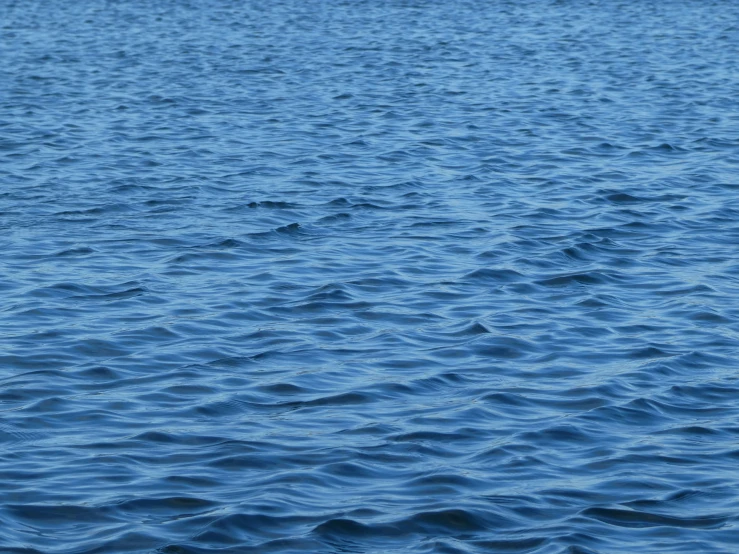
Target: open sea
<point>369,276</point>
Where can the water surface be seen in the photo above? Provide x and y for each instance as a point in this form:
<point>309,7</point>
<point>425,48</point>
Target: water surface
<point>369,276</point>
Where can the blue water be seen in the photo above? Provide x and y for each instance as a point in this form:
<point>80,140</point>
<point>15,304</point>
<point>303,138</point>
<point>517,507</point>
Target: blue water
<point>369,276</point>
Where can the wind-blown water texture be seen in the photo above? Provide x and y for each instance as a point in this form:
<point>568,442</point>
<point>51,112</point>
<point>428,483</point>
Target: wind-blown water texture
<point>369,276</point>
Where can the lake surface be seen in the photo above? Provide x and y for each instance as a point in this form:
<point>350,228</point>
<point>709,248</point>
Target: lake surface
<point>369,276</point>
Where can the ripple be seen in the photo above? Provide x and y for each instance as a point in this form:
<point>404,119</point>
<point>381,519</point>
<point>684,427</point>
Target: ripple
<point>368,277</point>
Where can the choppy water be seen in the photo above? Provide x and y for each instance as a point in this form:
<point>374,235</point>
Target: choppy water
<point>369,276</point>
